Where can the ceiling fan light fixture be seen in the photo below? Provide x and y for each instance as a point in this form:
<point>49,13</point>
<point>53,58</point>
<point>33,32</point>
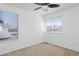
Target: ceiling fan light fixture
<point>45,8</point>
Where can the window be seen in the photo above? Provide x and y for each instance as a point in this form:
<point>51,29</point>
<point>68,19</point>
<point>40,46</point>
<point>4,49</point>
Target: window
<point>0,27</point>
<point>8,25</point>
<point>1,23</point>
<point>54,25</point>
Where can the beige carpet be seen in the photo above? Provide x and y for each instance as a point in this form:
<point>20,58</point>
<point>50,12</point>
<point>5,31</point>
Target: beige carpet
<point>43,49</point>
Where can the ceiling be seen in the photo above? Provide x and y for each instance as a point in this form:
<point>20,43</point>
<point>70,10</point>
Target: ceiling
<point>32,6</point>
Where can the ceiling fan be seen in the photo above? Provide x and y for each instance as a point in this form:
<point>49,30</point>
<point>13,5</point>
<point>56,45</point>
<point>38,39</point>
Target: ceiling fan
<point>45,6</point>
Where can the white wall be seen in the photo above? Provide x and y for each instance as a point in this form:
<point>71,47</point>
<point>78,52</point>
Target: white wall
<point>30,30</point>
<point>70,36</point>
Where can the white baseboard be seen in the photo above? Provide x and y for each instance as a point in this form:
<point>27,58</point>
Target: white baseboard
<point>20,47</point>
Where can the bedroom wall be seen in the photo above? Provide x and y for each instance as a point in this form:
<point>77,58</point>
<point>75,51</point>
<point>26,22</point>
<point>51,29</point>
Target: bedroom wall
<point>30,27</point>
<point>69,38</point>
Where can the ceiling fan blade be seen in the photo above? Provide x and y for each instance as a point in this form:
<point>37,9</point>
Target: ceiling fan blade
<point>53,5</point>
<point>41,4</point>
<point>37,8</point>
